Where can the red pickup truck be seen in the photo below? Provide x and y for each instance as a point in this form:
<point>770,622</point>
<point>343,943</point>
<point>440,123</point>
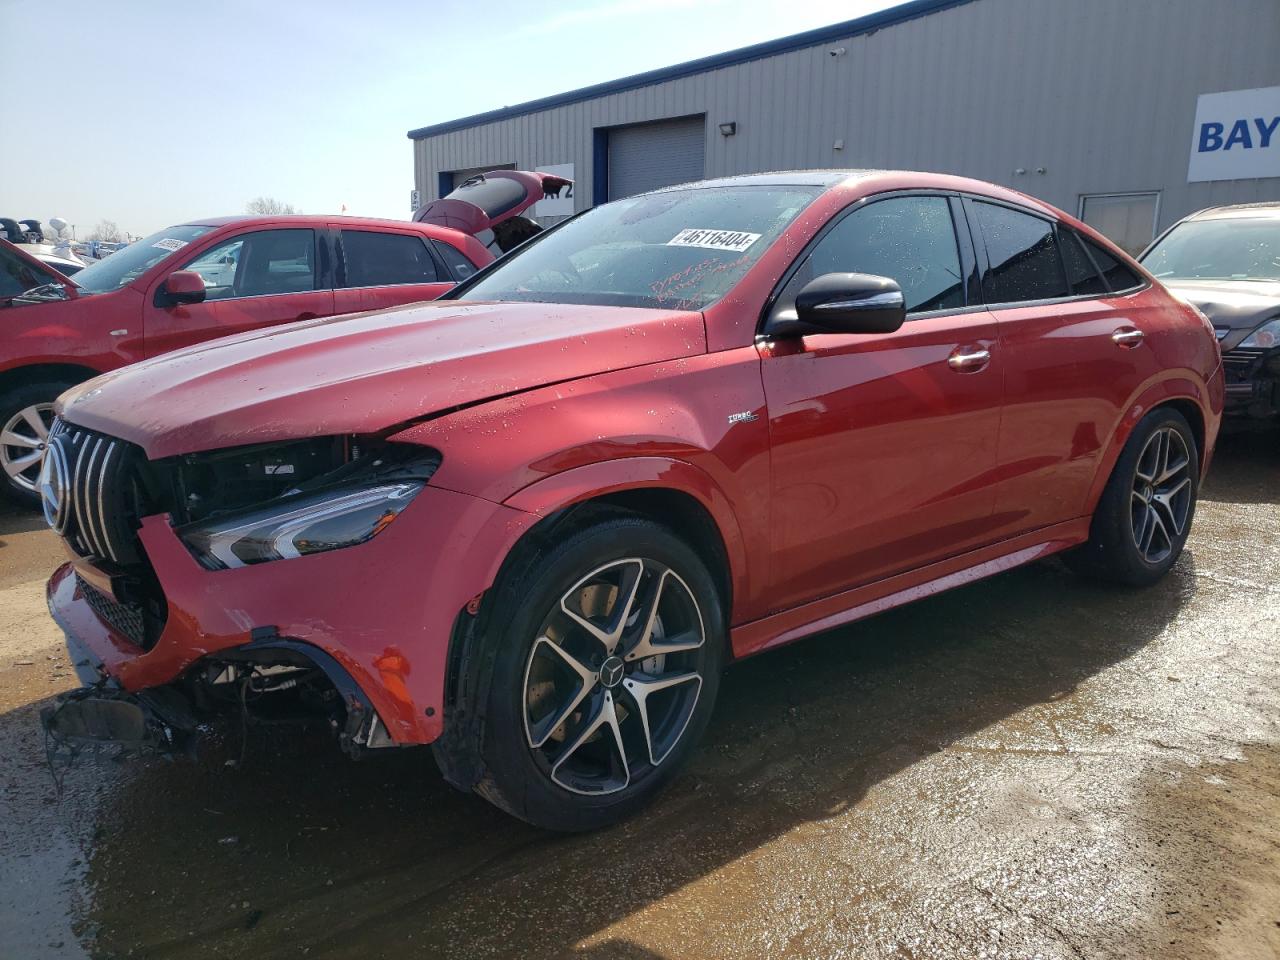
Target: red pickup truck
<point>212,278</point>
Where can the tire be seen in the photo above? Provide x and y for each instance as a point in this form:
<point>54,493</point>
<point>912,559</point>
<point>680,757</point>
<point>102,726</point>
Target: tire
<point>20,408</point>
<point>1144,515</point>
<point>578,735</point>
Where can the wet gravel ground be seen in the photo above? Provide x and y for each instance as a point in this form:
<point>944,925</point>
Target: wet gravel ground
<point>1033,766</point>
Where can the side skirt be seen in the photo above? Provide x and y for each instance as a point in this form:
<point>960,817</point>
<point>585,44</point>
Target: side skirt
<point>819,615</point>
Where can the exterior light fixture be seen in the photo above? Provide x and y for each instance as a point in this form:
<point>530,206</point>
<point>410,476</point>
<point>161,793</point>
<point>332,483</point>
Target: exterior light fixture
<point>728,129</point>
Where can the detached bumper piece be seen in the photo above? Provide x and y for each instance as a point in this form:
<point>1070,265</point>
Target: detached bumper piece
<point>153,722</point>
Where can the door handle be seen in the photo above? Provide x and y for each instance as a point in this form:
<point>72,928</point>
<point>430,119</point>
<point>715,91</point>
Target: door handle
<point>1127,337</point>
<point>969,360</point>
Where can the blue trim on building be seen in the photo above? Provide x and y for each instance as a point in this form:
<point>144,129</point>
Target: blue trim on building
<point>599,166</point>
<point>444,183</point>
<point>770,48</point>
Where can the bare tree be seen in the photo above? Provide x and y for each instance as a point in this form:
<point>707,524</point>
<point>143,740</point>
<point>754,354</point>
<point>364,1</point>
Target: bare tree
<point>107,231</point>
<point>269,207</point>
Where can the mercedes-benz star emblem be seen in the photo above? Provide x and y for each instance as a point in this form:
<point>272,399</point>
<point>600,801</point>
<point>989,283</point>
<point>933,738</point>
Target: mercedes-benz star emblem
<point>52,486</point>
<point>611,672</point>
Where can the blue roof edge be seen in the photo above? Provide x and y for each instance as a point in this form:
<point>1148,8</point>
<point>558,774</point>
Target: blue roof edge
<point>769,48</point>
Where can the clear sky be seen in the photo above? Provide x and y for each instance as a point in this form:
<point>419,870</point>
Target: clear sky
<point>150,113</point>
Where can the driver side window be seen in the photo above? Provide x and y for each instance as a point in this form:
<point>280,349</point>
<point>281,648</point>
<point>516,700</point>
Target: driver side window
<point>258,264</point>
<point>908,239</point>
<point>218,269</point>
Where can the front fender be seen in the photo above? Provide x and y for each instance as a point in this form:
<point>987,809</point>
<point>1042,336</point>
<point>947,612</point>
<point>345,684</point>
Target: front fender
<point>599,479</point>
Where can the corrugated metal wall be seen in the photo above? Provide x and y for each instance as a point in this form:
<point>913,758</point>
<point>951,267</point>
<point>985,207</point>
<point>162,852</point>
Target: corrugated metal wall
<point>1100,94</point>
<point>652,155</point>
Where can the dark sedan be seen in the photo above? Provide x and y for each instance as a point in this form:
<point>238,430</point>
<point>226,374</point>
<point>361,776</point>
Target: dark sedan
<point>1226,261</point>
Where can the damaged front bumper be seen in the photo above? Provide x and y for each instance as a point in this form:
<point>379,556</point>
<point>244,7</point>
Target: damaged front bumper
<point>1252,382</point>
<point>373,621</point>
<point>172,719</point>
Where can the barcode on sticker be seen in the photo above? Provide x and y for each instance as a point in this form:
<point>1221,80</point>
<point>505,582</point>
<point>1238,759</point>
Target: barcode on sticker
<point>734,240</point>
<point>169,244</point>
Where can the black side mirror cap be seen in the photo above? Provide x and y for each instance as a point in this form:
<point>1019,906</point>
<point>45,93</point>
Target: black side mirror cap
<point>851,303</point>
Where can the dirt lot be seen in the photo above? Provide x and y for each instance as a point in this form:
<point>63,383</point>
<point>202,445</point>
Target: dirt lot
<point>1033,766</point>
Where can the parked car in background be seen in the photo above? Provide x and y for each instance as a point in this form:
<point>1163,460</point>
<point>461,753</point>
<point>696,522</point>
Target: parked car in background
<point>197,281</point>
<point>201,280</point>
<point>1226,260</point>
<point>68,268</point>
<point>21,272</point>
<point>29,236</point>
<point>529,522</point>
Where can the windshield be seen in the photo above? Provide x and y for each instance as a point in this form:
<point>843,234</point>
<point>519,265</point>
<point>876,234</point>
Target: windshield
<point>126,265</point>
<point>1218,250</point>
<point>679,249</point>
<point>18,275</point>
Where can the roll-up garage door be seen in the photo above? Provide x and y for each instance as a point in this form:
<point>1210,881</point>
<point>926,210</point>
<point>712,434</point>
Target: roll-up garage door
<point>652,155</point>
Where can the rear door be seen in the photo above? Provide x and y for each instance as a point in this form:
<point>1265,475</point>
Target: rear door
<point>259,278</point>
<point>1073,357</point>
<point>385,268</point>
<point>883,444</point>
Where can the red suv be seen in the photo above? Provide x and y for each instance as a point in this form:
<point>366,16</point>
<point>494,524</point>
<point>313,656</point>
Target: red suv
<point>197,281</point>
<point>529,523</point>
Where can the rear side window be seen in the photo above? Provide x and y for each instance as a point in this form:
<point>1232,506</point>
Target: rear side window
<point>1022,256</point>
<point>1082,276</point>
<point>386,259</point>
<point>1119,276</point>
<point>907,239</point>
<point>454,259</point>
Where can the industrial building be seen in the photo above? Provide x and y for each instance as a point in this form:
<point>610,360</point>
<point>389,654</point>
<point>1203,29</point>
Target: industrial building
<point>1131,114</point>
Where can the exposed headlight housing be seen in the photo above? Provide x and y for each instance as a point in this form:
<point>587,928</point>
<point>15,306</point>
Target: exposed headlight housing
<point>298,526</point>
<point>324,509</point>
<point>1264,337</point>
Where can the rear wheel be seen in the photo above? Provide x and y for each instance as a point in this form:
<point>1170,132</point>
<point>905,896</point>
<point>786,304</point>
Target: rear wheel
<point>26,413</point>
<point>608,666</point>
<point>1145,513</point>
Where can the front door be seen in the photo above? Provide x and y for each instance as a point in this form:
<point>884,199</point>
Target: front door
<point>256,279</point>
<point>883,445</point>
<point>385,269</point>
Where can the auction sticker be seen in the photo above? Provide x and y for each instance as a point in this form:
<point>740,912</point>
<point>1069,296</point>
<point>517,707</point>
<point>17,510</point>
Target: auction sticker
<point>169,244</point>
<point>733,240</point>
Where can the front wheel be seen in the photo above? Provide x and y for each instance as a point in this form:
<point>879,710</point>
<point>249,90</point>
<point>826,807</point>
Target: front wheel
<point>609,661</point>
<point>26,413</point>
<point>1144,515</point>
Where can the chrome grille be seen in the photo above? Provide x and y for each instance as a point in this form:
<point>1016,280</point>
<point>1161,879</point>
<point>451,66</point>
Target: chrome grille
<point>93,491</point>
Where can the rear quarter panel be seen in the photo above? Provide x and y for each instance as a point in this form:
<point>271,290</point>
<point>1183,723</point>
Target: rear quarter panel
<point>1188,370</point>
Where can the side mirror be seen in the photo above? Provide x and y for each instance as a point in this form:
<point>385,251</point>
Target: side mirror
<point>181,286</point>
<point>851,303</point>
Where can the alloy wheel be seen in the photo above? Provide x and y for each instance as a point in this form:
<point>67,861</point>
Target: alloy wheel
<point>613,676</point>
<point>1161,500</point>
<point>22,444</point>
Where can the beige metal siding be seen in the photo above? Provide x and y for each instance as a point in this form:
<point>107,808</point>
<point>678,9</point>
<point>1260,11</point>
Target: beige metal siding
<point>1100,94</point>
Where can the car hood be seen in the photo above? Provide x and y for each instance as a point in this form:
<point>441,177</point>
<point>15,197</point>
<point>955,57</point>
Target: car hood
<point>364,373</point>
<point>1234,307</point>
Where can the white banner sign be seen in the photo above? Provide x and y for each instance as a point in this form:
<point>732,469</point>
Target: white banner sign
<point>1236,136</point>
